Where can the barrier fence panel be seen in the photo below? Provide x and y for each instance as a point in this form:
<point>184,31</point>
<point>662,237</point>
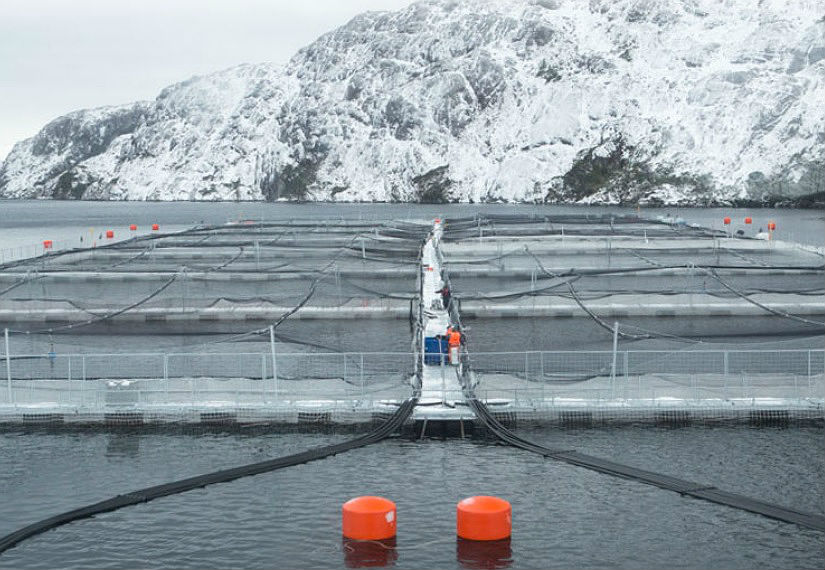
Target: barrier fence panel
<point>130,378</point>
<point>123,379</point>
<point>694,362</point>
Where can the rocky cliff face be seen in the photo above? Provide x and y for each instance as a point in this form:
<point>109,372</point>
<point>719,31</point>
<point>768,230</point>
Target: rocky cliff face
<point>606,101</point>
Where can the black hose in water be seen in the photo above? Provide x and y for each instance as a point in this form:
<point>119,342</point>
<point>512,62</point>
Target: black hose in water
<point>681,486</point>
<point>144,495</point>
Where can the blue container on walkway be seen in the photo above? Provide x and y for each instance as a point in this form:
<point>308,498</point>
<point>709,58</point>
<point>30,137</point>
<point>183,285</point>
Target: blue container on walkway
<point>434,348</point>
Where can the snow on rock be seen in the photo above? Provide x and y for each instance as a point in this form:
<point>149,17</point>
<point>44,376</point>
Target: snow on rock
<point>606,101</point>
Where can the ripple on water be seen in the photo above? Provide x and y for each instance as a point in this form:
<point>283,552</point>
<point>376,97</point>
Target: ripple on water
<point>563,515</point>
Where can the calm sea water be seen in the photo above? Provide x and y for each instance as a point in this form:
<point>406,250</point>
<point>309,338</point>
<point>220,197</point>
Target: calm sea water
<point>564,516</point>
<point>28,222</point>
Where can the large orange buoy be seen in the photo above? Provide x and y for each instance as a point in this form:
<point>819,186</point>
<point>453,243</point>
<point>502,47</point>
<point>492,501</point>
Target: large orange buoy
<point>133,227</point>
<point>727,221</point>
<point>483,518</point>
<point>369,518</point>
<point>110,234</point>
<point>771,226</point>
<point>47,244</point>
<point>748,220</point>
<point>155,227</point>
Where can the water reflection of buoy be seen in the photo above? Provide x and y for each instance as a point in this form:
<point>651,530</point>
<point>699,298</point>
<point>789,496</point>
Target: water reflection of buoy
<point>483,554</point>
<point>368,518</point>
<point>369,553</point>
<point>483,518</point>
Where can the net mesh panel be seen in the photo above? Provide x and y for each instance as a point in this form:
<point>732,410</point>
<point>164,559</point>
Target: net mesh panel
<point>146,356</point>
<point>524,264</point>
<point>132,321</point>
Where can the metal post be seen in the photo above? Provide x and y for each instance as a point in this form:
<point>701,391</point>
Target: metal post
<point>274,360</point>
<point>809,363</point>
<point>363,250</point>
<point>613,366</point>
<point>526,366</point>
<point>8,365</point>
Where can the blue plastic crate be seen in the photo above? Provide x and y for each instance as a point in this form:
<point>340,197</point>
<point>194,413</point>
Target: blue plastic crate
<point>433,349</point>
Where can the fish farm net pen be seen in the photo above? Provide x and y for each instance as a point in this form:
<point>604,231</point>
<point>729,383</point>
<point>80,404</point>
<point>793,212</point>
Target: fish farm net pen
<point>706,492</point>
<point>213,279</point>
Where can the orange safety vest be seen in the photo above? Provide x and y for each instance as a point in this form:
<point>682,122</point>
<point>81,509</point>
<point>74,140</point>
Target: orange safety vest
<point>454,339</point>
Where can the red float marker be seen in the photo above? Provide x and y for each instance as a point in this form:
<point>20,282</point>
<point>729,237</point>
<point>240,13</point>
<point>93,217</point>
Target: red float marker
<point>726,221</point>
<point>155,227</point>
<point>483,518</point>
<point>369,518</point>
<point>133,227</point>
<point>110,234</point>
<point>748,220</point>
<point>772,226</point>
<point>47,244</point>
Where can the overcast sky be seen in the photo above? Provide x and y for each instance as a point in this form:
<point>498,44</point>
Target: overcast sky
<point>57,56</point>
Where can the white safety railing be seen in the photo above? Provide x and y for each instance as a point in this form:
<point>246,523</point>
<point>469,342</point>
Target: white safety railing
<point>155,378</point>
<point>648,374</point>
<point>265,377</point>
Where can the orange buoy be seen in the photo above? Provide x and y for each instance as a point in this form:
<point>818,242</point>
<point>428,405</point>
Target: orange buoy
<point>110,234</point>
<point>483,518</point>
<point>771,226</point>
<point>155,227</point>
<point>748,220</point>
<point>133,227</point>
<point>47,244</point>
<point>727,221</point>
<point>369,518</point>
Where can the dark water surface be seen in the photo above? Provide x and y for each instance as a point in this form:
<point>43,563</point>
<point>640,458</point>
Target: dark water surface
<point>564,516</point>
<point>41,215</point>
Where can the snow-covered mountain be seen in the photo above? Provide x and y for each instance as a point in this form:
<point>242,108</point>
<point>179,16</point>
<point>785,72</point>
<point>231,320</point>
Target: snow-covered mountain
<point>600,101</point>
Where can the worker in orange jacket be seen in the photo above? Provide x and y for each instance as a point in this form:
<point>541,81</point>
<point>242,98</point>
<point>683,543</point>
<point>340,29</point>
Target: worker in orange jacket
<point>454,345</point>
